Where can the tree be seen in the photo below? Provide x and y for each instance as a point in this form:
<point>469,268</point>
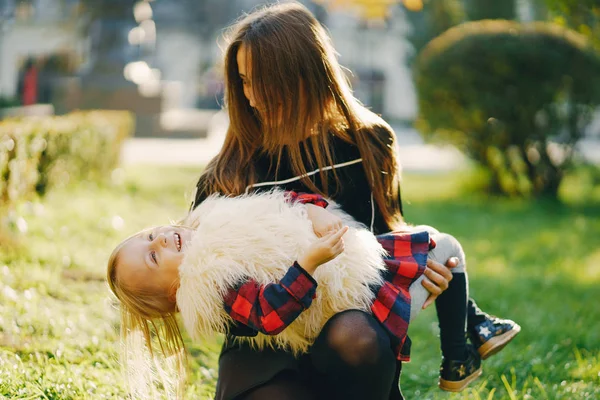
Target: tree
<point>514,97</point>
<point>368,9</point>
<point>581,15</point>
<point>435,16</point>
<point>476,10</point>
<point>432,20</point>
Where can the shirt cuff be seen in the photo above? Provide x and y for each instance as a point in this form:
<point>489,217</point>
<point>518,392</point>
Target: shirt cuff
<point>300,285</point>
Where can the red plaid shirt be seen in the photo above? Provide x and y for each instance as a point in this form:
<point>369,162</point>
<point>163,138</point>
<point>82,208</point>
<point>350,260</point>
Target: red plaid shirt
<point>271,308</point>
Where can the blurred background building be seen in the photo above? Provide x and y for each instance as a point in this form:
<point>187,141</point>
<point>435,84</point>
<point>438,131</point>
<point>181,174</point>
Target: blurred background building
<point>161,59</point>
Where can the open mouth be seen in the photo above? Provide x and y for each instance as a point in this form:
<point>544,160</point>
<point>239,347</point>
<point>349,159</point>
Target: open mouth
<point>177,241</point>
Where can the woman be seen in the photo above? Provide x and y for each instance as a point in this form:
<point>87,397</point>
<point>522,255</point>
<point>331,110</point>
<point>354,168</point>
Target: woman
<point>295,125</point>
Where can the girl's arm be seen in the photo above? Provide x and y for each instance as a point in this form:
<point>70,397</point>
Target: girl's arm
<point>307,198</point>
<point>323,221</point>
<point>272,308</point>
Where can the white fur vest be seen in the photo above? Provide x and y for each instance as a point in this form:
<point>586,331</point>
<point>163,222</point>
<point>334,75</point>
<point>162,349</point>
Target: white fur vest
<point>258,237</point>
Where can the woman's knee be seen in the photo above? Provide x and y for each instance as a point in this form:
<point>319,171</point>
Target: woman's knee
<point>356,338</point>
<point>447,246</point>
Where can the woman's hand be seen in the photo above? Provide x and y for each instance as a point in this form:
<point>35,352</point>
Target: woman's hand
<point>438,277</point>
<point>324,249</point>
<point>322,220</point>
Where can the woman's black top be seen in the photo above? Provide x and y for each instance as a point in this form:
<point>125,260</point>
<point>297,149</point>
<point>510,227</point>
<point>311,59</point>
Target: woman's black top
<point>353,193</point>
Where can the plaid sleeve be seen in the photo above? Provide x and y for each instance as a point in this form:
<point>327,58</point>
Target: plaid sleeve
<point>271,308</point>
<point>405,261</point>
<point>307,198</point>
<point>406,256</point>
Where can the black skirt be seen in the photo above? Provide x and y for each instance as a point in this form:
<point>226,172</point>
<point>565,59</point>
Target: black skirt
<point>242,369</point>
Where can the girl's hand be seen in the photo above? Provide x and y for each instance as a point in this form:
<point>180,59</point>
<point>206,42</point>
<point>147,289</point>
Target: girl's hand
<point>322,220</point>
<point>324,249</point>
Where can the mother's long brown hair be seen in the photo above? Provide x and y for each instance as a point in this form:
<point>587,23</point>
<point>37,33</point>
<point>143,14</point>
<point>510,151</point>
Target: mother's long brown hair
<point>303,94</point>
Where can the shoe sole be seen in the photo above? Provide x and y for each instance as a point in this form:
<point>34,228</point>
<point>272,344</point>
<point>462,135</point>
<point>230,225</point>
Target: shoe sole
<point>459,386</point>
<point>495,344</point>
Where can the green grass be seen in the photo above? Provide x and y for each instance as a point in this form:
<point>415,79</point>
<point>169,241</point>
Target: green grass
<point>535,262</point>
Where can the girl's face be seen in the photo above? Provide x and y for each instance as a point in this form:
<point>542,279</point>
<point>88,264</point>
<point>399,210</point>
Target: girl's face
<point>149,261</point>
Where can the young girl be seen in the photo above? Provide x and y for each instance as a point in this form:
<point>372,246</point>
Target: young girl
<point>255,260</point>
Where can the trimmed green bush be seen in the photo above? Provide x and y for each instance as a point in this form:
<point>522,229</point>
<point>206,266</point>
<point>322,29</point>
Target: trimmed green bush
<point>514,97</point>
<point>38,153</point>
<point>6,102</point>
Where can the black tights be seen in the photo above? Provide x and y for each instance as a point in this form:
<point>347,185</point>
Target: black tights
<point>352,358</point>
<point>287,385</point>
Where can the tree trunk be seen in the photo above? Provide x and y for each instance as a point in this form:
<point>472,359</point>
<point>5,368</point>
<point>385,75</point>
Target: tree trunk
<point>551,184</point>
<point>549,175</point>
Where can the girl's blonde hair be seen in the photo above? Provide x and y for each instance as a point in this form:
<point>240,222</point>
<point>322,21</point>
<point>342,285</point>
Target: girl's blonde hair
<point>304,98</point>
<point>145,316</point>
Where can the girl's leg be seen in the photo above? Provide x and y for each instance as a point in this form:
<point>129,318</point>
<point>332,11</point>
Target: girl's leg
<point>487,333</point>
<point>451,305</point>
<point>461,364</point>
<point>352,358</point>
<point>418,296</point>
<point>475,315</point>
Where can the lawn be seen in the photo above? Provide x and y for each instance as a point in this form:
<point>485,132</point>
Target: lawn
<point>535,262</point>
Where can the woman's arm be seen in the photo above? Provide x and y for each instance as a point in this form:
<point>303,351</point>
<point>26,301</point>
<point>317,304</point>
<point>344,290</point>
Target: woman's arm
<point>439,277</point>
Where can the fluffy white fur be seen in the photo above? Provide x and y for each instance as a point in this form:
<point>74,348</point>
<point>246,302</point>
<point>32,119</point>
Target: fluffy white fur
<point>259,236</point>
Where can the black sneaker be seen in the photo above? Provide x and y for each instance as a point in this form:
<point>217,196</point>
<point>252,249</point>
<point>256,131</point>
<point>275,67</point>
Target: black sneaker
<point>456,375</point>
<point>492,335</point>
